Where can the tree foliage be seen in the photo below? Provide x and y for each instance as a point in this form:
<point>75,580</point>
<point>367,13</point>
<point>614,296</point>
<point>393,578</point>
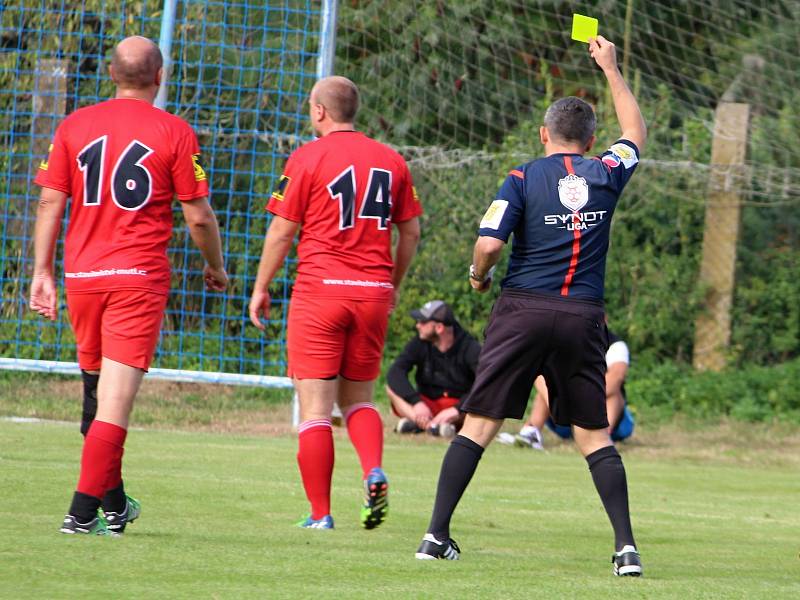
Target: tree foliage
<point>459,87</point>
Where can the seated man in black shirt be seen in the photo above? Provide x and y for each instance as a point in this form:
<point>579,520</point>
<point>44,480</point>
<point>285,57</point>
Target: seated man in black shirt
<point>445,357</point>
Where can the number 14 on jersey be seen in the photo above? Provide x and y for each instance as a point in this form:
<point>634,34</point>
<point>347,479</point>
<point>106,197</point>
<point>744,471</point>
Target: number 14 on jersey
<point>377,200</point>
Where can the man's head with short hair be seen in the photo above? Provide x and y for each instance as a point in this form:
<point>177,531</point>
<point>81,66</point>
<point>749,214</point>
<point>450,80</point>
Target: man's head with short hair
<point>136,64</point>
<point>570,121</point>
<point>434,310</point>
<point>333,101</point>
<point>435,319</point>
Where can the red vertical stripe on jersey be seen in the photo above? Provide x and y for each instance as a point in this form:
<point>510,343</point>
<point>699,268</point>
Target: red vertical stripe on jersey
<point>576,242</point>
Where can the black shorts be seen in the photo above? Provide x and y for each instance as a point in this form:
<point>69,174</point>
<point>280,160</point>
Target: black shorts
<point>530,334</point>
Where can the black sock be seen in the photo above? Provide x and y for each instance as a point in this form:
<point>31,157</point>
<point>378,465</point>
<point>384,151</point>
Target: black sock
<point>84,507</point>
<point>608,474</point>
<point>115,500</point>
<point>458,466</point>
<point>89,400</point>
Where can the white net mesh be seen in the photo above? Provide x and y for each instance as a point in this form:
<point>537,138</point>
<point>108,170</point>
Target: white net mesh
<point>460,88</point>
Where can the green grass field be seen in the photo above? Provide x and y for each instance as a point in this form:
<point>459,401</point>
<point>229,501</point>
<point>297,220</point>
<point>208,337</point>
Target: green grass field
<point>218,514</point>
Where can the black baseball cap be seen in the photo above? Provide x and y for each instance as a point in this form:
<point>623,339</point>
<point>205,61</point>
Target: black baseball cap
<point>435,310</point>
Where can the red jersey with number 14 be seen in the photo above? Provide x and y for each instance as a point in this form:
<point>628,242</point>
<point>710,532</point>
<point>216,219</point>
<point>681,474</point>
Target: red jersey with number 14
<point>346,189</point>
<point>122,161</point>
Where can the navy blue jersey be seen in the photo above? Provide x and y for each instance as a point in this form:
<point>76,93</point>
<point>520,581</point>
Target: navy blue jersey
<point>559,209</point>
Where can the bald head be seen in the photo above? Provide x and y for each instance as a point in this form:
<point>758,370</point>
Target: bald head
<point>339,96</point>
<point>135,63</point>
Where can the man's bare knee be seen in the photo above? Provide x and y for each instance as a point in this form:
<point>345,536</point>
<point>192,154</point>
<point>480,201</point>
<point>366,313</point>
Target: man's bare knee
<point>354,392</point>
<point>590,440</point>
<point>316,397</point>
<point>480,429</point>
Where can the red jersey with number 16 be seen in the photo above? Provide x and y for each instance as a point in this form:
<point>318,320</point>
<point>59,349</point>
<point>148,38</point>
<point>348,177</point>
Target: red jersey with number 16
<point>122,161</point>
<point>346,189</point>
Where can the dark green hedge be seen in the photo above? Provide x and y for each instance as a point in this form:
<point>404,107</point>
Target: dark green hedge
<point>754,393</point>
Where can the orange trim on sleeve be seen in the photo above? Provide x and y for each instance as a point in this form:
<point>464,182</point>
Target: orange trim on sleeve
<point>517,173</point>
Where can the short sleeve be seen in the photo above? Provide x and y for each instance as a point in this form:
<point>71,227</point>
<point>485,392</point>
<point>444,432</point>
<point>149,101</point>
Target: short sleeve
<point>504,213</point>
<point>188,176</point>
<point>620,160</point>
<point>55,172</point>
<point>407,205</point>
<point>618,353</point>
<point>290,197</point>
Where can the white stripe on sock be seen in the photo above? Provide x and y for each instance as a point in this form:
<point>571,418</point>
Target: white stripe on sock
<point>313,424</point>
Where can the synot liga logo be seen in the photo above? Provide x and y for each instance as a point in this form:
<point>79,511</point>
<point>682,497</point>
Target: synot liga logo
<point>573,191</point>
<point>577,220</point>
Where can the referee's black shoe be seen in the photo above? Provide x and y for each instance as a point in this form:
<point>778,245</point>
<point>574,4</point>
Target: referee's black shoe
<point>432,549</point>
<point>627,562</point>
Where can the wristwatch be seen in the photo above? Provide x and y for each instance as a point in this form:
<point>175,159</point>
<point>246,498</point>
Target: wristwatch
<point>473,276</point>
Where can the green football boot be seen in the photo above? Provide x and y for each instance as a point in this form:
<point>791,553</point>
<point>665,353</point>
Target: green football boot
<point>376,499</point>
<point>96,526</point>
<point>117,521</point>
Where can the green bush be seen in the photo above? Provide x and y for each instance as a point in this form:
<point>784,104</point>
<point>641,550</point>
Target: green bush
<point>459,88</point>
<point>752,394</point>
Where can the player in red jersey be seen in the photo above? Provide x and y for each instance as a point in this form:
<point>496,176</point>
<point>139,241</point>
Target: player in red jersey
<point>345,190</point>
<point>122,161</point>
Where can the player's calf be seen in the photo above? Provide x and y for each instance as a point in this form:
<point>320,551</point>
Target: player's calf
<point>89,399</point>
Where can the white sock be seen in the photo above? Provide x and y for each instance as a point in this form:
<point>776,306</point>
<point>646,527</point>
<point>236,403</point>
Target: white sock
<point>529,431</point>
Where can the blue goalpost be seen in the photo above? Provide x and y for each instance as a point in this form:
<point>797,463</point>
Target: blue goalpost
<point>239,72</point>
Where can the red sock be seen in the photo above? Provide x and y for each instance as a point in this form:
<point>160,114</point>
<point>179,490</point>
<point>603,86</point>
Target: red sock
<point>101,462</point>
<point>315,458</point>
<point>365,428</point>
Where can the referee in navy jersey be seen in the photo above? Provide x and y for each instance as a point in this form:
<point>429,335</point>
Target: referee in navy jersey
<point>549,318</point>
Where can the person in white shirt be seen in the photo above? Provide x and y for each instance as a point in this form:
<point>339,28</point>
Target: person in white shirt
<point>620,419</point>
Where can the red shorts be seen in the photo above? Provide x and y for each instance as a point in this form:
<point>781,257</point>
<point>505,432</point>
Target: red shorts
<point>327,337</point>
<point>436,405</point>
<point>122,325</point>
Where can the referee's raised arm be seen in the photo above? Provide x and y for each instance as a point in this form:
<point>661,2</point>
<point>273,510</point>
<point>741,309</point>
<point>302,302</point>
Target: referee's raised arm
<point>628,114</point>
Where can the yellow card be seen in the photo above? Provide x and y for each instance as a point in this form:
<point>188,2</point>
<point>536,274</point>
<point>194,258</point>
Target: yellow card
<point>583,27</point>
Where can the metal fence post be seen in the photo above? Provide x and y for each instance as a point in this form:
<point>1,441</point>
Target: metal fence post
<point>327,38</point>
<point>165,44</point>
